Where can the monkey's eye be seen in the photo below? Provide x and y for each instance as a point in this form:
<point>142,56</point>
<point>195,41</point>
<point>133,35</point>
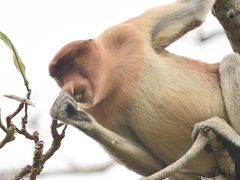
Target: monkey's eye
<point>79,97</point>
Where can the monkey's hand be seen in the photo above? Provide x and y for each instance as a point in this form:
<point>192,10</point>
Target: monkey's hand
<point>65,109</point>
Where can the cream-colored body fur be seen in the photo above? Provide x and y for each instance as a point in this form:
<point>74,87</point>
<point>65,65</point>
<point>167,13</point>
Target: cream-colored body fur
<point>169,95</point>
<point>170,114</point>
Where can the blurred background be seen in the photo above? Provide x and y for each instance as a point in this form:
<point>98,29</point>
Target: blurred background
<point>38,29</point>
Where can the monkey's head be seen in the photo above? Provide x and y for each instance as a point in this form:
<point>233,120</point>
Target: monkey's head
<point>80,68</point>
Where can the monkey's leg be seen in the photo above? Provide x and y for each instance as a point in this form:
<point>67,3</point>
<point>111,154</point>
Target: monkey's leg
<point>166,24</point>
<point>205,132</point>
<point>229,71</point>
<point>124,150</point>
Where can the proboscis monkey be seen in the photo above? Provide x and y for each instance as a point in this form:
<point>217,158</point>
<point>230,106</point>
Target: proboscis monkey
<point>141,102</point>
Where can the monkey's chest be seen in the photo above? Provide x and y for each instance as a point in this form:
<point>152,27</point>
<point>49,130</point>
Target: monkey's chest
<point>162,131</point>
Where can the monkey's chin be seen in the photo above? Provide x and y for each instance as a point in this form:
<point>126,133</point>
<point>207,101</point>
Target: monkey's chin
<point>85,106</point>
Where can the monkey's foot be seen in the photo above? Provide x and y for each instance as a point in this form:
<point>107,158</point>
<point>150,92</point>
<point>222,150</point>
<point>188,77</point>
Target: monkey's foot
<point>65,109</point>
<point>224,142</point>
<point>220,127</point>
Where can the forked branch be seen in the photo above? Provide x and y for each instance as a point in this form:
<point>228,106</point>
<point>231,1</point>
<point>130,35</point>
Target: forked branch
<point>39,158</point>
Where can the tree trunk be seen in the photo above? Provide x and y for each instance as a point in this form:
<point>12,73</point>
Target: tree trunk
<point>228,14</point>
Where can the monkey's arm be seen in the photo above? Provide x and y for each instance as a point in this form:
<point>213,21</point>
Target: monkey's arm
<point>142,161</point>
<point>165,24</point>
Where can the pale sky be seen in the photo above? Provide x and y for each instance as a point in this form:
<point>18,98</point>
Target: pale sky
<point>38,29</point>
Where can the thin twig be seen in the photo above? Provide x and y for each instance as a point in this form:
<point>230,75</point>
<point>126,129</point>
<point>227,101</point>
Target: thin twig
<point>11,116</point>
<point>29,93</point>
<point>24,133</point>
<point>25,118</point>
<point>10,129</point>
<point>39,159</point>
<point>1,124</point>
<point>57,138</point>
<point>8,137</point>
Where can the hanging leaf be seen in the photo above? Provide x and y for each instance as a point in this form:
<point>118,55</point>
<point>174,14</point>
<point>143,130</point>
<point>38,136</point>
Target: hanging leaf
<point>16,58</point>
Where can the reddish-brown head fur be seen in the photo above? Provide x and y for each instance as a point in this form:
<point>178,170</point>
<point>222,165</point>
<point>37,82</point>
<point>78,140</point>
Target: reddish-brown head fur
<point>67,54</point>
<point>79,69</point>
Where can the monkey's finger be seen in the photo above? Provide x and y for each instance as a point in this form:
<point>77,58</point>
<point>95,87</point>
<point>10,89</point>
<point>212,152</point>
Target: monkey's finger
<point>63,98</point>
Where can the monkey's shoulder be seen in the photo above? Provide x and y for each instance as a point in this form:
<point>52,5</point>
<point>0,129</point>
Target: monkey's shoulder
<point>122,35</point>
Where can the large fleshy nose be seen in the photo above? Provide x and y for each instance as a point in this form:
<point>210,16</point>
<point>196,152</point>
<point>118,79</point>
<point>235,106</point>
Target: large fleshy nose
<point>69,87</point>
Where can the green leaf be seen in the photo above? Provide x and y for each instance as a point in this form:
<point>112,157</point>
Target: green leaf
<point>16,58</point>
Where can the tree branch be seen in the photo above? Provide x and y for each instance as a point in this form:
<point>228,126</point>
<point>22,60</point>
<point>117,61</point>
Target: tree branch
<point>228,14</point>
<point>9,135</point>
<point>39,158</point>
<point>10,131</point>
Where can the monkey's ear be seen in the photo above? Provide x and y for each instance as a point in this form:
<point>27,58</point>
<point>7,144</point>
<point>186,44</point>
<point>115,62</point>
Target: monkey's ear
<point>66,55</point>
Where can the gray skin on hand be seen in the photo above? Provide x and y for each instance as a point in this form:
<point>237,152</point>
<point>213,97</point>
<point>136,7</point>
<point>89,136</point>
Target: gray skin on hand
<point>65,109</point>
